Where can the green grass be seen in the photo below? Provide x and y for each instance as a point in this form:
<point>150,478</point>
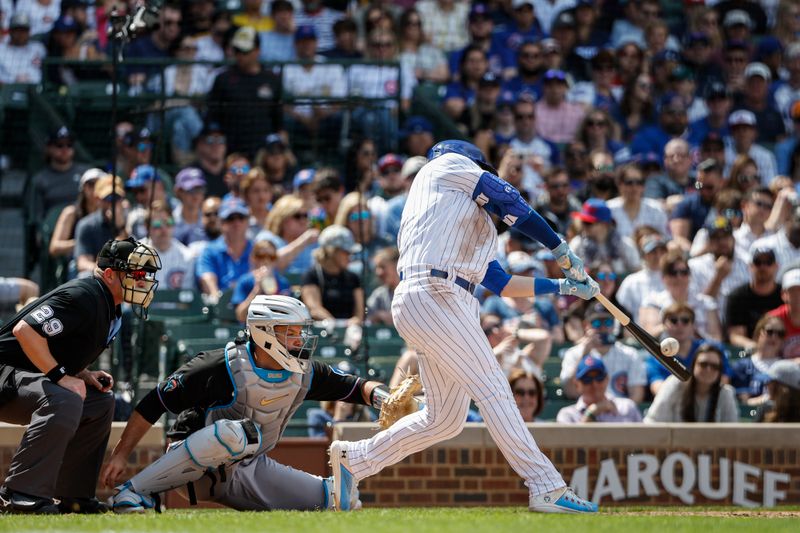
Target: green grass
<point>416,520</point>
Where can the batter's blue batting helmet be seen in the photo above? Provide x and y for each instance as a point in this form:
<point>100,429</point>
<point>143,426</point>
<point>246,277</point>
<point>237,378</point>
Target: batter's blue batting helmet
<point>468,150</point>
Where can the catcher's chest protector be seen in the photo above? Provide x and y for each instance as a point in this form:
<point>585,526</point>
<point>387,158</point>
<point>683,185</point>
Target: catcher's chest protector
<point>267,397</point>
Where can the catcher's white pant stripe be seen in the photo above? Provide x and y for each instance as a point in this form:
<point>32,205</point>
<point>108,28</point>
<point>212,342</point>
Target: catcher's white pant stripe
<point>441,321</point>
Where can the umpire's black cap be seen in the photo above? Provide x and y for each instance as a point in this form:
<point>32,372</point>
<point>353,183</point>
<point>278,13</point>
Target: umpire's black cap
<point>114,254</point>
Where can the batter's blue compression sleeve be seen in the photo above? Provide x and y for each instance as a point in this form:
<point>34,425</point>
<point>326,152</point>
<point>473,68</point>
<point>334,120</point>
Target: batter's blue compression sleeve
<point>502,199</point>
<point>496,278</point>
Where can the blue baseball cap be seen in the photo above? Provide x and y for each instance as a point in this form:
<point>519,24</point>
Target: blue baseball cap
<point>479,11</point>
<point>416,124</point>
<point>141,176</point>
<point>594,210</point>
<point>666,55</point>
<point>66,23</point>
<point>233,206</point>
<point>305,31</point>
<point>590,364</point>
<point>671,102</point>
<point>303,177</point>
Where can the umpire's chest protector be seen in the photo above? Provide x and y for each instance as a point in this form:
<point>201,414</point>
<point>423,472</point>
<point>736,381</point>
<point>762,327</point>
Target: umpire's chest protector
<point>267,397</point>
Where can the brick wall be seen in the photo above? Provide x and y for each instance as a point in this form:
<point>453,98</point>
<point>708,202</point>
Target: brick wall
<point>724,464</point>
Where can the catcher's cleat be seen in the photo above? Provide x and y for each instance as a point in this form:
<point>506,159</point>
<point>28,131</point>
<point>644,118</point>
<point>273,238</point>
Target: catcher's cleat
<point>129,501</point>
<point>345,486</point>
<point>83,506</point>
<point>562,500</point>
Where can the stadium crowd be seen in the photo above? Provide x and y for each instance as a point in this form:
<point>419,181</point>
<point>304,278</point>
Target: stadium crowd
<point>660,138</point>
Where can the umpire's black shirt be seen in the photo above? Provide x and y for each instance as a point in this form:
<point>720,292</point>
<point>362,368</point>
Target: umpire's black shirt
<point>76,320</point>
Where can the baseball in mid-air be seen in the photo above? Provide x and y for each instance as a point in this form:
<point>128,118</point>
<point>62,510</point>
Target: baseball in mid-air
<point>669,346</point>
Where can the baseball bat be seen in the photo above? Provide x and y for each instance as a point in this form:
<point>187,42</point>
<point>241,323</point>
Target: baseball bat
<point>646,340</point>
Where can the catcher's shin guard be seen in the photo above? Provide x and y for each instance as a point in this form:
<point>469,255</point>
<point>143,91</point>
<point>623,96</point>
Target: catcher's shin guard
<point>220,443</point>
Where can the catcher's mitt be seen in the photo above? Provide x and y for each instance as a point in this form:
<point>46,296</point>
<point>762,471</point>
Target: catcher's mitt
<point>401,401</point>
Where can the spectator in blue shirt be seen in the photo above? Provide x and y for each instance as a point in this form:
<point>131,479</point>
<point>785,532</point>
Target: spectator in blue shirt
<point>530,67</point>
<point>460,94</point>
<point>226,259</point>
<point>719,103</point>
<point>691,213</point>
<point>672,122</point>
<point>154,46</point>
<point>278,43</point>
<point>262,279</point>
<point>481,33</point>
<point>524,28</point>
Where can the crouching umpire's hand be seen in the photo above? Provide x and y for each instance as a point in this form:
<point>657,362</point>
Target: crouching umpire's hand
<point>98,379</point>
<point>585,290</point>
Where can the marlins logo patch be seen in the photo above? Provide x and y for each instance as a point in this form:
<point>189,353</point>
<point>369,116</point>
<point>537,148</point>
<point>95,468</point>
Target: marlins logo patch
<point>173,382</point>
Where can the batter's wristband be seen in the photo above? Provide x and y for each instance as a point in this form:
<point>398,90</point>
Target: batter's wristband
<point>545,286</point>
<point>56,373</point>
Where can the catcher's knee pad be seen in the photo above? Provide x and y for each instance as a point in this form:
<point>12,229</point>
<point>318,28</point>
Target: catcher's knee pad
<point>223,442</point>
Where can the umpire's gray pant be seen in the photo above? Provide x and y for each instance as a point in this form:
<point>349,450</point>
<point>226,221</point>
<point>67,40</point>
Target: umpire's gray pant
<point>63,448</point>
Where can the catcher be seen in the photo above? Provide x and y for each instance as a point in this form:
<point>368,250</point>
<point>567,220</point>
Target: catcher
<point>234,404</point>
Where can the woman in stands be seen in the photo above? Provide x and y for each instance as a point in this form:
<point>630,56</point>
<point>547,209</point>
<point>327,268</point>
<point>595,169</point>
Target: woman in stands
<point>257,193</point>
<point>751,375</point>
<point>675,275</point>
<point>330,291</point>
<point>62,243</point>
<point>704,398</point>
<point>355,214</point>
<point>528,393</point>
<point>427,62</point>
<point>636,108</point>
<point>288,229</point>
<point>784,390</point>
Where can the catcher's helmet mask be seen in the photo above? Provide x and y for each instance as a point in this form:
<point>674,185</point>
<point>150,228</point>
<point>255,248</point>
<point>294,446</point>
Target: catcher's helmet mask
<point>139,262</point>
<point>265,318</point>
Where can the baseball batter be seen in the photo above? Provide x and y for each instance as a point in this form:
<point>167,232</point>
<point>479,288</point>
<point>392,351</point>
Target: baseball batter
<point>235,403</point>
<point>447,245</point>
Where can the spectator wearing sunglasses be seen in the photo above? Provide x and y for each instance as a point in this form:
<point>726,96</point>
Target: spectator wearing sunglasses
<point>262,279</point>
<point>594,403</point>
<point>289,230</point>
<point>257,194</point>
<point>210,148</point>
<point>635,287</point>
<point>212,228</point>
<point>723,268</point>
<point>789,313</point>
<point>786,241</point>
<point>630,209</point>
<point>355,214</point>
<point>751,374</point>
<point>177,262</point>
<point>694,210</point>
<point>190,190</point>
<point>599,240</point>
<point>675,275</point>
<point>57,184</point>
<point>506,346</point>
<point>728,206</point>
<point>626,370</point>
<point>145,185</point>
<point>276,160</point>
<point>678,322</point>
<point>704,398</point>
<point>135,148</point>
<point>757,219</point>
<point>226,259</point>
<point>748,302</point>
<point>528,392</point>
<point>237,166</point>
<point>329,289</point>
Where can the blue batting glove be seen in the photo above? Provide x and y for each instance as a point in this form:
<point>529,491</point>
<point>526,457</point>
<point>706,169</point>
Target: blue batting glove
<point>586,290</point>
<point>571,265</point>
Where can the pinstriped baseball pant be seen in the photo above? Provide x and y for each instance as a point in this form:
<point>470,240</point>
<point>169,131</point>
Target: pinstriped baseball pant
<point>441,321</point>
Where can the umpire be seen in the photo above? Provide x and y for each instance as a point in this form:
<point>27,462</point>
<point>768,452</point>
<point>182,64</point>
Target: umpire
<point>45,352</point>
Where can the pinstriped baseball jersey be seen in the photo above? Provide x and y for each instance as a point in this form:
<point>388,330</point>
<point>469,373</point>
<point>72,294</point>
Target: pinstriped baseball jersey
<point>442,225</point>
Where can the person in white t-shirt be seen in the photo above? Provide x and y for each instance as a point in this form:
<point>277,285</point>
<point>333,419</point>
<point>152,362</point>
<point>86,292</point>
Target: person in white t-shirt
<point>20,58</point>
<point>630,209</point>
<point>42,14</point>
<point>177,262</point>
<point>626,370</point>
<point>634,288</point>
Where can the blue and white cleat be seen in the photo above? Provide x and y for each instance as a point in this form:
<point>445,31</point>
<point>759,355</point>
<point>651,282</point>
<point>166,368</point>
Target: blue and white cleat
<point>345,486</point>
<point>129,501</point>
<point>562,500</point>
